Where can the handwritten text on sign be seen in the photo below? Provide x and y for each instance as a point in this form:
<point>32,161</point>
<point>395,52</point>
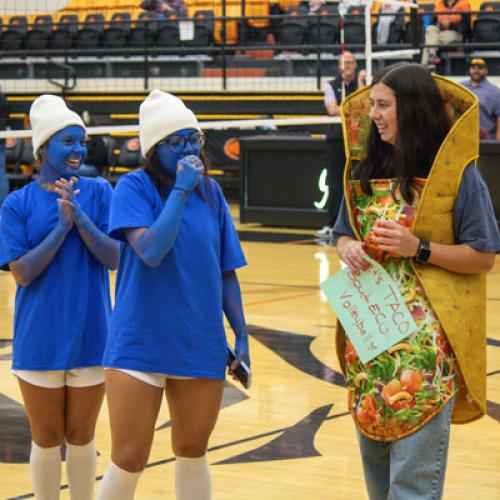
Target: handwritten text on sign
<point>370,308</point>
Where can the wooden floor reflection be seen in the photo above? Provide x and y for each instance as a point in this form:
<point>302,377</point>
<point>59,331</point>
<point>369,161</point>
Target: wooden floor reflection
<point>289,437</point>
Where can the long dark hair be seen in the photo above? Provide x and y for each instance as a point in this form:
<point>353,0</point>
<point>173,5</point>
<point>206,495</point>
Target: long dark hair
<point>159,177</point>
<point>422,127</point>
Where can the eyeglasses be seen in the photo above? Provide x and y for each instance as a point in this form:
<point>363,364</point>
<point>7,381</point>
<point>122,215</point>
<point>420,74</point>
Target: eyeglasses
<point>177,143</point>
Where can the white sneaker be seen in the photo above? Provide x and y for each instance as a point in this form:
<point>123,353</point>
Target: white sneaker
<point>326,233</point>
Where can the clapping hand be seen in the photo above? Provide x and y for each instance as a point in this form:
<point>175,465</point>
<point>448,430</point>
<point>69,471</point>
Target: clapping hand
<point>68,198</point>
<point>65,222</point>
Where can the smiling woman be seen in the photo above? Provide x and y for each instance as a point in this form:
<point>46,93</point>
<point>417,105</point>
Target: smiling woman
<point>54,236</point>
<point>411,202</point>
<point>383,112</point>
<point>63,154</point>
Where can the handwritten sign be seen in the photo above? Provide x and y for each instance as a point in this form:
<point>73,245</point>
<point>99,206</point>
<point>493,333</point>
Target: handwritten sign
<point>370,308</point>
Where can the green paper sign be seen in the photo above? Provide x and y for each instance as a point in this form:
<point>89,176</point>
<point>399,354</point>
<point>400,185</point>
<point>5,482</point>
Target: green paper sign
<point>370,308</point>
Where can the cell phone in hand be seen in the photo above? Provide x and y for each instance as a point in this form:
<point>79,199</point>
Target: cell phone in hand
<point>243,372</point>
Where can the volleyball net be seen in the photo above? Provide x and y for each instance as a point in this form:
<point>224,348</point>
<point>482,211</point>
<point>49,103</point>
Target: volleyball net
<point>114,46</point>
<point>222,147</point>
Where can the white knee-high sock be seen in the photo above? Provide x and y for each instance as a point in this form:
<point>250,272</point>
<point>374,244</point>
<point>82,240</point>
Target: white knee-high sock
<point>45,469</point>
<point>192,478</point>
<point>117,484</point>
<point>80,468</point>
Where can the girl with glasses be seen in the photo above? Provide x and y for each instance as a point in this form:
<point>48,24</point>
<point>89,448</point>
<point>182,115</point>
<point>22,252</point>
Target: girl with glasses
<point>176,279</point>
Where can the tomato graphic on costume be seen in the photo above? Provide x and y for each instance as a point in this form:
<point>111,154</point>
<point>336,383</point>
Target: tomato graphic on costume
<point>400,390</point>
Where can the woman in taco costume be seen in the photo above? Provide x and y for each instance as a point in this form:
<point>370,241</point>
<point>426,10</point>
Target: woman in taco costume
<point>416,204</point>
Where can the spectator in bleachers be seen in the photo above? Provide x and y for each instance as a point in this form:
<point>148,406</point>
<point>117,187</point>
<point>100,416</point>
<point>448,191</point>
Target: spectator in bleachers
<point>384,22</point>
<point>165,7</point>
<point>448,28</point>
<point>352,80</point>
<point>489,98</point>
<point>315,6</point>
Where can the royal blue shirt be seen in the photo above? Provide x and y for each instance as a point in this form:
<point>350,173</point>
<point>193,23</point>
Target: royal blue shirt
<point>61,317</point>
<point>169,319</point>
<point>474,221</point>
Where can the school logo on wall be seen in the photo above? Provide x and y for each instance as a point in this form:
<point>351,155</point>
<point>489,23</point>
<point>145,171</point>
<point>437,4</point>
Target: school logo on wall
<point>232,148</point>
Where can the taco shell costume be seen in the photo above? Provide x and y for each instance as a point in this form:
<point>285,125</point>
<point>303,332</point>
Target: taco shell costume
<point>400,390</point>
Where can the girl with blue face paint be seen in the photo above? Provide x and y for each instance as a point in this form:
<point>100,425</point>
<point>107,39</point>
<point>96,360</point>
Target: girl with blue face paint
<point>64,153</point>
<point>176,281</point>
<point>54,238</point>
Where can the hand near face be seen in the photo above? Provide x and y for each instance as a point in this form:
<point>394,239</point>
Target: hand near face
<point>68,198</point>
<point>189,170</point>
<point>392,237</point>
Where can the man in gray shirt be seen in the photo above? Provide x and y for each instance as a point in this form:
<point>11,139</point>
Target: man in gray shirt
<point>489,98</point>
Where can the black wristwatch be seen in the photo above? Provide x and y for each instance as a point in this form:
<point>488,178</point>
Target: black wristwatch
<point>423,252</point>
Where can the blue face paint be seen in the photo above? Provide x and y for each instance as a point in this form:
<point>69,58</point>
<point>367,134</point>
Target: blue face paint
<point>177,146</point>
<point>65,152</point>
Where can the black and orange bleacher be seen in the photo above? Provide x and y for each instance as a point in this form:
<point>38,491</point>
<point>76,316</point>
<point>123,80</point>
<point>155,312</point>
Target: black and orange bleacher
<point>233,9</point>
<point>96,17</point>
<point>106,11</point>
<point>101,24</point>
<point>14,31</point>
<point>253,8</point>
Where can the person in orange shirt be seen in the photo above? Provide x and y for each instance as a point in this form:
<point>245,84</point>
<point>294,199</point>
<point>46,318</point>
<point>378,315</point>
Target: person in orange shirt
<point>447,28</point>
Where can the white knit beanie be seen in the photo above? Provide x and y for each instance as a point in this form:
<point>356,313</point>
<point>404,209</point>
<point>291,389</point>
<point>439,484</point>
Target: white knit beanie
<point>160,115</point>
<point>48,115</point>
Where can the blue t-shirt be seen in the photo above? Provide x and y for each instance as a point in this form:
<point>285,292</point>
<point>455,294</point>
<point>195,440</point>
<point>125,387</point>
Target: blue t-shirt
<point>474,221</point>
<point>169,319</point>
<point>61,317</point>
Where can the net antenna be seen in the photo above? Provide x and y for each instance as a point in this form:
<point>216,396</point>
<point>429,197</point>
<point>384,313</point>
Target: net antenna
<point>369,54</point>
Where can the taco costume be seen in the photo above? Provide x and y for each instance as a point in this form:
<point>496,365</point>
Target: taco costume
<point>402,389</point>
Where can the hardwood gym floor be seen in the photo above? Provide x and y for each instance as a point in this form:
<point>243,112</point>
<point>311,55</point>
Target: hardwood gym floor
<point>289,437</point>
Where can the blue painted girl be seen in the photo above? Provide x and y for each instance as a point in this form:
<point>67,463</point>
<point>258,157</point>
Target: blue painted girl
<point>54,239</point>
<point>176,279</point>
